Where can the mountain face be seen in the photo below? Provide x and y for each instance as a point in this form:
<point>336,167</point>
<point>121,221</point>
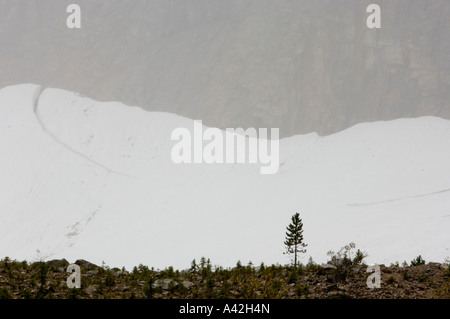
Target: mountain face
<point>93,180</point>
<point>302,66</point>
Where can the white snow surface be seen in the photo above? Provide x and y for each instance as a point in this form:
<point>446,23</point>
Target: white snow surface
<point>85,179</point>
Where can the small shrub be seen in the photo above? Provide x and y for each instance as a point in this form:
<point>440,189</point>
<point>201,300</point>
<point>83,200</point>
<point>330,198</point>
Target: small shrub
<point>292,278</point>
<point>311,266</point>
<point>302,290</point>
<point>300,270</point>
<point>396,264</point>
<point>74,293</point>
<point>4,294</point>
<point>110,281</point>
<point>26,294</point>
<point>447,272</point>
<point>443,292</point>
<point>391,280</point>
<point>149,290</point>
<point>359,257</point>
<point>422,276</point>
<point>418,261</point>
<point>276,285</point>
<point>406,275</point>
<point>224,292</point>
<point>344,262</point>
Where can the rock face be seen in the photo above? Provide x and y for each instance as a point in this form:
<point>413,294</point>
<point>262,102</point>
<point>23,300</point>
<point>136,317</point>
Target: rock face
<point>301,66</point>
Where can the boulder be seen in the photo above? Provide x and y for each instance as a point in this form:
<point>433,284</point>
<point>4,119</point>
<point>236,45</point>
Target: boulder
<point>86,265</point>
<point>328,266</point>
<point>164,283</point>
<point>120,273</point>
<point>187,284</point>
<point>58,263</point>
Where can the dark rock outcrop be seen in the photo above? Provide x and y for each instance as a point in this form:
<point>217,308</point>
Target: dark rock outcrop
<point>302,66</point>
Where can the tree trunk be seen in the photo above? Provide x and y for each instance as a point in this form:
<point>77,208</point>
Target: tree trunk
<point>295,256</point>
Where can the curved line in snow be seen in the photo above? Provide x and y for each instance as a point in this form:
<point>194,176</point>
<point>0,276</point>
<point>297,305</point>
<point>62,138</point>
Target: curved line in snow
<point>36,98</point>
<point>399,199</point>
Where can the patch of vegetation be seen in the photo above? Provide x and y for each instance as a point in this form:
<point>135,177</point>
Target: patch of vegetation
<point>20,280</point>
<point>345,261</point>
<point>422,276</point>
<point>405,275</point>
<point>302,290</point>
<point>447,271</point>
<point>391,280</point>
<point>4,294</point>
<point>418,261</point>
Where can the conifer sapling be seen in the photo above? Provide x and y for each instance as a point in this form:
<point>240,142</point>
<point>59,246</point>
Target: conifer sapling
<point>294,238</point>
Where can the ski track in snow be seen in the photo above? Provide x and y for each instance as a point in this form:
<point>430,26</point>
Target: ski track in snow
<point>36,98</point>
<point>398,199</point>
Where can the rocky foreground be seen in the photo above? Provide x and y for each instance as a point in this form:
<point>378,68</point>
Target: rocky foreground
<point>39,280</point>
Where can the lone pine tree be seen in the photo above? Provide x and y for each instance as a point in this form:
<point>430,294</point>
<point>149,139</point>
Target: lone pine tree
<point>294,238</point>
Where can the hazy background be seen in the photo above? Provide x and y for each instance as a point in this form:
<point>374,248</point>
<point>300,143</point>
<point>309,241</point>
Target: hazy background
<point>299,65</point>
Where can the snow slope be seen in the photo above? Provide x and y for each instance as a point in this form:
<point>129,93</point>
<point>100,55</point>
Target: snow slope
<point>83,179</point>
